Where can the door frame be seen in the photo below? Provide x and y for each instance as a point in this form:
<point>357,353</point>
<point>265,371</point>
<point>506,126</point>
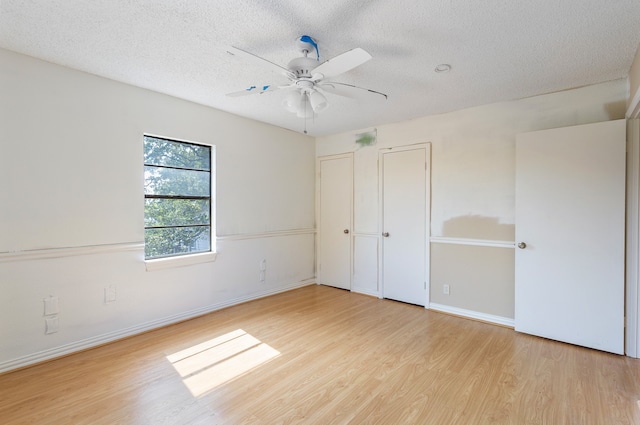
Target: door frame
<point>318,244</point>
<point>632,298</point>
<point>427,261</point>
<point>632,292</point>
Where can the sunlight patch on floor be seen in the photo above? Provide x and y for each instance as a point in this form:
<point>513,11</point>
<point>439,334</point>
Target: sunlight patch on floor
<point>210,364</point>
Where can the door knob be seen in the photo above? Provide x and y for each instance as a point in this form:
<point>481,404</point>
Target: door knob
<point>385,234</point>
<point>522,245</point>
<point>346,231</point>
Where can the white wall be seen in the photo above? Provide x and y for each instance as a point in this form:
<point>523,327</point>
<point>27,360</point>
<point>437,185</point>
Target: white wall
<point>71,215</point>
<point>473,189</point>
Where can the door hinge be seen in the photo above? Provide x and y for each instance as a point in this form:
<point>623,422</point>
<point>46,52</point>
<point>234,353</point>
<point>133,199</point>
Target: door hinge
<point>425,285</point>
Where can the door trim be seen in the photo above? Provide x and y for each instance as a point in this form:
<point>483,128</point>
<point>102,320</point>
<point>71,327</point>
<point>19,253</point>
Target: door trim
<point>632,295</point>
<point>427,263</point>
<point>348,155</point>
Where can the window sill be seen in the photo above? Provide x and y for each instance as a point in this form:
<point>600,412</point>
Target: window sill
<point>181,261</point>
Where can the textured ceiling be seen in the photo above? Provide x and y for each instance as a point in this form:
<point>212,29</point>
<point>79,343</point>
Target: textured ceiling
<point>498,49</point>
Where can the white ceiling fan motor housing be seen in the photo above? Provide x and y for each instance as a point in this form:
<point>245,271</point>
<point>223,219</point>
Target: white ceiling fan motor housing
<point>302,67</point>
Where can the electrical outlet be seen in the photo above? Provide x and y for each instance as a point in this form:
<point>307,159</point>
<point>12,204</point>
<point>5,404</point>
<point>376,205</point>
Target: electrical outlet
<point>51,325</point>
<point>262,276</point>
<point>445,289</point>
<point>263,265</point>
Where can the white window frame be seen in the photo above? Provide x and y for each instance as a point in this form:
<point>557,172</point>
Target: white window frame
<point>198,257</point>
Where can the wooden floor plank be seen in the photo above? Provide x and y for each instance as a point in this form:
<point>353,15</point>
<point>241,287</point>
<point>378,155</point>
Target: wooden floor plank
<point>327,356</point>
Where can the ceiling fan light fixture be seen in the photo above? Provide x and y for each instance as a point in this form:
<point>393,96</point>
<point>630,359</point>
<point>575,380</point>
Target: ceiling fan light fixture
<point>318,101</point>
<point>292,101</point>
<point>304,107</point>
<point>305,113</point>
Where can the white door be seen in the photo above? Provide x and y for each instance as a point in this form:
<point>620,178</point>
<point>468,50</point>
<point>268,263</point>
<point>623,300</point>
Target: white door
<point>570,211</point>
<point>334,234</point>
<point>405,223</point>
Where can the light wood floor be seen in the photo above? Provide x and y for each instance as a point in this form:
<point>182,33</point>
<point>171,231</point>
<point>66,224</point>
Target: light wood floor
<point>321,355</point>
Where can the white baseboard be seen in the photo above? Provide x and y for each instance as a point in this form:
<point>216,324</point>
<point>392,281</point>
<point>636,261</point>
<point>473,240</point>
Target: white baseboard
<point>366,292</point>
<point>91,342</point>
<point>498,320</point>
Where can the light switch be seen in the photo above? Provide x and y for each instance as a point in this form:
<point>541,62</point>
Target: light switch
<point>50,306</point>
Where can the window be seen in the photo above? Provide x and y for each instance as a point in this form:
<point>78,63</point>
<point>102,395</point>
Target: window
<point>177,198</point>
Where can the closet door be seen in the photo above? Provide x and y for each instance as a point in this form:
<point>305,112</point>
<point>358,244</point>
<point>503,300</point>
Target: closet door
<point>405,223</point>
<point>570,212</point>
<point>335,220</point>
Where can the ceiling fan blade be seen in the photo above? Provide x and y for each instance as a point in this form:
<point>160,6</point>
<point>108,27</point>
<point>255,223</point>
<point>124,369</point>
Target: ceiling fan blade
<point>341,63</point>
<point>250,57</point>
<point>351,91</point>
<point>255,90</point>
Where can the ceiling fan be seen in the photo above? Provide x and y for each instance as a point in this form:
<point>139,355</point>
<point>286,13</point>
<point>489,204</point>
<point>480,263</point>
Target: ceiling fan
<point>308,77</point>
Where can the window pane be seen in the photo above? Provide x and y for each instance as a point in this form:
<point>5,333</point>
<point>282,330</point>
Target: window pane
<point>176,212</point>
<point>174,173</point>
<point>169,181</point>
<point>175,241</point>
<point>176,154</point>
